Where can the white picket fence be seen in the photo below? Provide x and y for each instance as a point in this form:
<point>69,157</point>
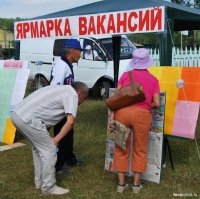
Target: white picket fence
<point>185,57</point>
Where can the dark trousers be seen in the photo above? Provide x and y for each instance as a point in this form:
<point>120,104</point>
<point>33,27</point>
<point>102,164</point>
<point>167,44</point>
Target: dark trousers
<point>65,147</point>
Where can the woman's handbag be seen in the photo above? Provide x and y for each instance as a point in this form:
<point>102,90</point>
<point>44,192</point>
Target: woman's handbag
<point>126,96</point>
<point>120,134</point>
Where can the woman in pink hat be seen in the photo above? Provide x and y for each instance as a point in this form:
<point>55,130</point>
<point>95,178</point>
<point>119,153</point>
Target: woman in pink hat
<point>137,117</point>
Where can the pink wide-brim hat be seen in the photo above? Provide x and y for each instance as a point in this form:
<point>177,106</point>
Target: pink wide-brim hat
<point>141,59</point>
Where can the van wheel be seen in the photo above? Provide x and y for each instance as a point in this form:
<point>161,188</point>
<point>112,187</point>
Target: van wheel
<point>105,86</point>
<point>40,82</point>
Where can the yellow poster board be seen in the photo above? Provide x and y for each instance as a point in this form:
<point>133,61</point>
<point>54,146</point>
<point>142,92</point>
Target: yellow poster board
<point>182,104</point>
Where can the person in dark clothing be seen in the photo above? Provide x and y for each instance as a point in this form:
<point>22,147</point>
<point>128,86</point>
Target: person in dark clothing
<point>1,53</point>
<point>62,74</point>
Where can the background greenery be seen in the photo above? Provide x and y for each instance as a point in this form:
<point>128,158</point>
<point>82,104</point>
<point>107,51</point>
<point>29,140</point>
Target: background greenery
<point>91,181</point>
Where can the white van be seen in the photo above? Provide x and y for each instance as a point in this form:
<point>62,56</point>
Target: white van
<point>97,74</point>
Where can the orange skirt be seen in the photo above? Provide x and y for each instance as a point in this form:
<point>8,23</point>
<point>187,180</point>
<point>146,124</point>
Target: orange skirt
<point>139,120</point>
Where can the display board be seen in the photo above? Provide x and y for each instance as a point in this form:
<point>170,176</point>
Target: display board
<point>13,81</point>
<point>182,102</point>
<point>155,144</point>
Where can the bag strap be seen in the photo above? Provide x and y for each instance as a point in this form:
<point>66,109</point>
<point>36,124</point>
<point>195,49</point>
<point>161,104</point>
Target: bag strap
<point>131,76</point>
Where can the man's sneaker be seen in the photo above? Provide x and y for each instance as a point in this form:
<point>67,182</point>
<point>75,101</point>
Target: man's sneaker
<point>122,188</point>
<point>62,172</point>
<point>137,189</point>
<point>164,165</point>
<point>74,162</point>
<point>56,191</point>
<point>37,186</point>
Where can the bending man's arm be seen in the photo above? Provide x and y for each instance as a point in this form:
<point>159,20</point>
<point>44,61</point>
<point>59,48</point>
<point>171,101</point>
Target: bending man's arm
<point>65,129</point>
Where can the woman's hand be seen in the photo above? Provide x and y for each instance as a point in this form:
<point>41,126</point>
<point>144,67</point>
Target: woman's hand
<point>156,101</point>
<point>111,126</point>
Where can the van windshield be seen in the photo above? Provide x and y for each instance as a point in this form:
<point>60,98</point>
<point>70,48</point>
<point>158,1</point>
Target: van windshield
<point>126,47</point>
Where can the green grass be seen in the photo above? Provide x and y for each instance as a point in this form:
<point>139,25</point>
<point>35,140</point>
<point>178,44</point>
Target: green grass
<point>91,181</point>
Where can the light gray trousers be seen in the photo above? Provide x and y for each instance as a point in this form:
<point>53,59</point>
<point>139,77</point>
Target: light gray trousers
<point>44,153</point>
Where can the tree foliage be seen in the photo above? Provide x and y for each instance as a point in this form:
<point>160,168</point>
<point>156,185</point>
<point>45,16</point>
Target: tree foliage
<point>8,23</point>
<point>190,3</point>
<point>197,4</point>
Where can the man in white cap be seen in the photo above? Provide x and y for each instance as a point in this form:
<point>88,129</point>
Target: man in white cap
<point>91,54</point>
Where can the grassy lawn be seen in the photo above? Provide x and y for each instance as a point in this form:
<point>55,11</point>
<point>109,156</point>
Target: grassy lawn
<point>91,181</point>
